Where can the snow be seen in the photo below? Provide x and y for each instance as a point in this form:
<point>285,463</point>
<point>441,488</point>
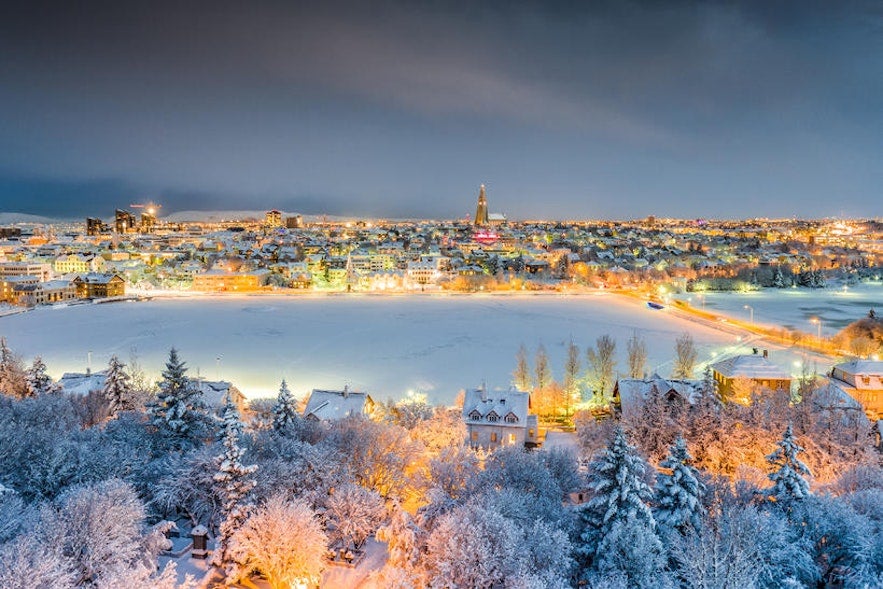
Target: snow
<point>383,345</point>
<point>794,307</point>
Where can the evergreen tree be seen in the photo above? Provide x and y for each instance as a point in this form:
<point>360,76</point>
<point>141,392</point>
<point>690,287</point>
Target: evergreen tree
<point>521,376</point>
<point>39,383</point>
<point>13,380</point>
<point>819,279</point>
<point>117,387</point>
<point>234,484</point>
<point>620,497</point>
<point>178,409</point>
<point>284,411</point>
<point>788,482</point>
<point>779,278</point>
<point>678,490</point>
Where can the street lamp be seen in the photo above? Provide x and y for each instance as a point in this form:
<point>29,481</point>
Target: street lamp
<point>818,323</point>
<point>751,312</point>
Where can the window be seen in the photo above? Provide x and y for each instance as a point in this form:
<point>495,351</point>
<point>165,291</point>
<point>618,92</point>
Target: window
<point>475,415</point>
<point>493,417</point>
<point>493,436</point>
<point>474,436</point>
<point>511,438</point>
<point>530,433</point>
<point>511,417</point>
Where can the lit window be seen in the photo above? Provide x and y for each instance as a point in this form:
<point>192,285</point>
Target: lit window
<point>493,436</point>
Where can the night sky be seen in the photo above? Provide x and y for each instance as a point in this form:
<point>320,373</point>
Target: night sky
<point>401,109</point>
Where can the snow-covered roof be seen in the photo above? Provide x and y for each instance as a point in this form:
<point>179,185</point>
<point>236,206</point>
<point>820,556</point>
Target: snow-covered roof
<point>478,404</point>
<point>753,366</point>
<point>214,391</point>
<point>861,374</point>
<point>330,405</point>
<point>633,391</point>
<point>80,383</point>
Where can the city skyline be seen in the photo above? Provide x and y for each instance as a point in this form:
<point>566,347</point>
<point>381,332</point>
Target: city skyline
<point>615,111</point>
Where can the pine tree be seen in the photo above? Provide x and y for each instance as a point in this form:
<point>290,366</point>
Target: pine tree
<point>234,484</point>
<point>39,383</point>
<point>779,278</point>
<point>117,387</point>
<point>620,494</point>
<point>178,409</point>
<point>521,376</point>
<point>13,380</point>
<point>678,490</point>
<point>284,411</point>
<point>788,482</point>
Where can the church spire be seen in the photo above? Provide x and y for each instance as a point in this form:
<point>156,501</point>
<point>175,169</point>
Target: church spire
<point>481,209</point>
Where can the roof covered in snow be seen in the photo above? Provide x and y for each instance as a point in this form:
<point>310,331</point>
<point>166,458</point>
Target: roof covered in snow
<point>753,366</point>
<point>483,407</point>
<point>82,383</point>
<point>331,405</point>
<point>633,391</point>
<point>861,374</point>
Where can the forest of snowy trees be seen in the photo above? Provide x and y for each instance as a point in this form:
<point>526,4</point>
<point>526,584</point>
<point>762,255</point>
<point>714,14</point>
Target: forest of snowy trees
<point>705,496</point>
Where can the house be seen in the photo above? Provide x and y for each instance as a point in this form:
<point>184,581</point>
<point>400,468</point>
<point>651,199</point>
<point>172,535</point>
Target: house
<point>99,286</point>
<point>223,281</point>
<point>862,380</point>
<point>333,405</point>
<point>44,293</point>
<point>82,383</point>
<point>755,370</point>
<point>498,418</point>
<point>214,393</point>
<point>629,394</point>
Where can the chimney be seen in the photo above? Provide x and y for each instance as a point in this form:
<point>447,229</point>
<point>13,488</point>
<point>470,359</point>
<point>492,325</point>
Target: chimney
<point>766,354</point>
<point>346,391</point>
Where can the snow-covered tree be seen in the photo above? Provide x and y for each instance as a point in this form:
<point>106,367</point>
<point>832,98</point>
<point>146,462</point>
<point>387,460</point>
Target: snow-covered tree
<point>26,562</point>
<point>788,475</point>
<point>678,490</point>
<point>685,356</point>
<point>285,409</point>
<point>283,540</point>
<point>521,378</point>
<point>602,365</point>
<point>572,367</point>
<point>620,493</point>
<point>39,383</point>
<point>117,387</point>
<point>401,535</point>
<point>355,513</point>
<point>632,549</point>
<point>542,372</point>
<point>13,380</point>
<point>779,278</point>
<point>636,349</point>
<point>178,410</point>
<point>234,483</point>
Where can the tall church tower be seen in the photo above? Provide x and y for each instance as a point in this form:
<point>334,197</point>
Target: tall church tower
<point>481,209</point>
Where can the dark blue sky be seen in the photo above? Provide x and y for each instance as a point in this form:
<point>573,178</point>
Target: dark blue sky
<point>618,110</point>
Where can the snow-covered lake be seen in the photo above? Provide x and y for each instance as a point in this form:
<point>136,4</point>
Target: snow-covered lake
<point>386,345</point>
<point>795,307</point>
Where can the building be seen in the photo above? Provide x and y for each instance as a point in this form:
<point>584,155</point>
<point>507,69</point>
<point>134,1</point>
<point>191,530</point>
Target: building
<point>43,272</point>
<point>273,218</point>
<point>124,221</point>
<point>44,293</point>
<point>863,381</point>
<point>78,264</point>
<point>95,226</point>
<point>481,217</point>
<point>736,376</point>
<point>99,286</point>
<point>222,281</point>
<point>214,393</point>
<point>333,405</point>
<point>498,418</point>
<point>295,222</point>
<point>148,220</point>
<point>82,383</point>
<point>629,394</point>
<point>9,285</point>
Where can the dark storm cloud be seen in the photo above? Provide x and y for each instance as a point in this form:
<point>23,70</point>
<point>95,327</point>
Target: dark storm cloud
<point>400,108</point>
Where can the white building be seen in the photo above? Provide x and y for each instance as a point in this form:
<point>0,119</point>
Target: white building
<point>498,418</point>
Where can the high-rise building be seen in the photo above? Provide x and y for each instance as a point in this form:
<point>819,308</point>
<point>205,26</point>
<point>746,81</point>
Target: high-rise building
<point>481,209</point>
<point>124,221</point>
<point>148,220</point>
<point>273,218</point>
<point>95,226</point>
<point>295,222</point>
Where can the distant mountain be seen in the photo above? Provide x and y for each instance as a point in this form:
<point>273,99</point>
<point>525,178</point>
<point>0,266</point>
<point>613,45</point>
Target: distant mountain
<point>11,218</point>
<point>215,216</point>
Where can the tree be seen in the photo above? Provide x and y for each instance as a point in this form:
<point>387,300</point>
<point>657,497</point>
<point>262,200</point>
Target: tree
<point>401,537</point>
<point>636,349</point>
<point>521,376</point>
<point>118,388</point>
<point>542,374</point>
<point>13,380</point>
<point>572,368</point>
<point>178,410</point>
<point>632,550</point>
<point>602,365</point>
<point>284,541</point>
<point>285,409</point>
<point>678,490</point>
<point>685,357</point>
<point>787,476</point>
<point>234,483</point>
<point>39,383</point>
<point>620,493</point>
<point>355,513</point>
<point>779,278</point>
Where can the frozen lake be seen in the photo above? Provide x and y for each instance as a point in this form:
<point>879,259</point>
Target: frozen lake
<point>386,345</point>
<point>795,307</point>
